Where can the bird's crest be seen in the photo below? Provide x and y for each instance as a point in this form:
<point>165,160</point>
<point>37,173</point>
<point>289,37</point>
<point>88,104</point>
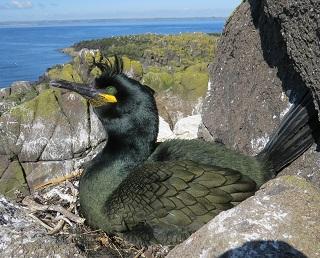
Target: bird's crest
<point>110,68</point>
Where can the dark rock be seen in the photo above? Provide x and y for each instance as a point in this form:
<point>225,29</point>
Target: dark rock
<point>298,24</point>
<point>255,78</point>
<point>270,224</point>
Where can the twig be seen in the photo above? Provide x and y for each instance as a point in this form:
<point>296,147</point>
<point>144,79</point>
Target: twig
<point>115,248</point>
<point>65,219</point>
<point>57,227</point>
<point>41,207</point>
<point>58,180</point>
<point>74,190</point>
<point>139,253</point>
<point>40,221</point>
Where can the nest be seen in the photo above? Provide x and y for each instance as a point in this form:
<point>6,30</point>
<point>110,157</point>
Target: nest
<point>55,206</point>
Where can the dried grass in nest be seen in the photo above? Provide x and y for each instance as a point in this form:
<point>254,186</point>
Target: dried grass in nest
<point>55,207</point>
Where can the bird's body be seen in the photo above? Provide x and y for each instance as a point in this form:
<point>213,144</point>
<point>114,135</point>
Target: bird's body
<point>162,193</point>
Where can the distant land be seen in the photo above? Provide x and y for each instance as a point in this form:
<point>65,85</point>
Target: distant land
<point>44,23</point>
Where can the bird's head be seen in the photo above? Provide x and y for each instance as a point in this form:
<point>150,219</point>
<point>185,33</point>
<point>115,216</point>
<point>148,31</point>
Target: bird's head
<point>116,97</point>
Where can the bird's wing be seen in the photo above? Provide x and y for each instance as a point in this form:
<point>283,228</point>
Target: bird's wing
<point>178,196</point>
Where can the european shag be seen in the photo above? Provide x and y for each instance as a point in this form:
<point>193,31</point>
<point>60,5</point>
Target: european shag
<point>161,193</point>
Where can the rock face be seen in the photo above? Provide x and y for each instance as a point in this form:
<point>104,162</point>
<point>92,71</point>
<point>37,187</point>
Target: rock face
<point>46,133</point>
<point>281,220</point>
<point>262,65</point>
<point>46,137</point>
<point>20,236</point>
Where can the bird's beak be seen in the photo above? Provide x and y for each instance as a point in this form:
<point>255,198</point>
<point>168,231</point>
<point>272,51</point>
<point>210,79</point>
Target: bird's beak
<point>90,93</point>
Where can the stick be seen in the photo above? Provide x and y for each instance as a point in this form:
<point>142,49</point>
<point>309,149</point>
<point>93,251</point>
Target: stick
<point>41,207</point>
<point>57,228</point>
<point>40,222</point>
<point>58,180</point>
<point>139,253</point>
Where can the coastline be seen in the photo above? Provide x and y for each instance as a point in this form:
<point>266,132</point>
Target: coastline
<point>30,51</point>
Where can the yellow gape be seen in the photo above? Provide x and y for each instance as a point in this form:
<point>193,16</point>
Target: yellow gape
<point>101,99</point>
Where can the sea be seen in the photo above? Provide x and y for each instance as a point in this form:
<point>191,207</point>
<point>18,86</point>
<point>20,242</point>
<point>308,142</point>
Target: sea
<point>28,49</point>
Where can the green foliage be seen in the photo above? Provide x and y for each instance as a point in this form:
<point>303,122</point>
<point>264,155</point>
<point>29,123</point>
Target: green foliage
<point>133,67</point>
<point>159,80</point>
<point>193,82</point>
<point>65,72</point>
<point>164,62</point>
<point>163,50</point>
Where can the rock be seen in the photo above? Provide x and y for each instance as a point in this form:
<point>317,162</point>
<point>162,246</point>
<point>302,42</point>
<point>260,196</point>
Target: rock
<point>12,177</point>
<point>4,92</point>
<point>173,107</point>
<point>165,133</point>
<point>187,127</point>
<point>48,136</point>
<point>20,87</point>
<point>255,77</point>
<point>20,236</point>
<point>301,46</point>
<point>281,220</point>
<point>19,92</point>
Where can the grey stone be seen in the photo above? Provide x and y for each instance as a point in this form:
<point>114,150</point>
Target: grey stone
<point>254,78</point>
<point>39,172</point>
<point>4,92</point>
<point>20,236</point>
<point>20,87</point>
<point>76,109</point>
<point>50,135</point>
<point>12,179</point>
<point>281,220</point>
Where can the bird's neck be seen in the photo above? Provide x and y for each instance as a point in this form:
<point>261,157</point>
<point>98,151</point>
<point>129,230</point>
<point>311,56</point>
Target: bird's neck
<point>126,149</point>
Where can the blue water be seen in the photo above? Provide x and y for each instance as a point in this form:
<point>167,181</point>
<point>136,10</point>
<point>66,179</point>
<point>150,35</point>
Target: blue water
<point>28,49</point>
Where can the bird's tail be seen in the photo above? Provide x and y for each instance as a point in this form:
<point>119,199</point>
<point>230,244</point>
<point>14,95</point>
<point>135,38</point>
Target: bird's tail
<point>298,130</point>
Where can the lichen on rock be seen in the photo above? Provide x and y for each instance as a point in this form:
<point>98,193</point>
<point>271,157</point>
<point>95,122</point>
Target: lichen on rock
<point>268,223</point>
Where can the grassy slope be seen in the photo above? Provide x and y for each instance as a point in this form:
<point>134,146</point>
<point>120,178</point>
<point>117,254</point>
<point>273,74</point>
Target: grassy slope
<point>170,62</point>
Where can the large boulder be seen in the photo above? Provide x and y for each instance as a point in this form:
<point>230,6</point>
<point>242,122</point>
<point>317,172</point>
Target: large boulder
<point>47,133</point>
<point>281,220</point>
<point>265,62</point>
<point>46,137</point>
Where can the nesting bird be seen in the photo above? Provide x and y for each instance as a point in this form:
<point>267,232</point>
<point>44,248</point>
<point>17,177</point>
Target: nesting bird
<point>161,193</point>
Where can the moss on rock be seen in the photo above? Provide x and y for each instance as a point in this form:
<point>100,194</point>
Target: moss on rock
<point>13,179</point>
<point>44,106</point>
<point>159,81</point>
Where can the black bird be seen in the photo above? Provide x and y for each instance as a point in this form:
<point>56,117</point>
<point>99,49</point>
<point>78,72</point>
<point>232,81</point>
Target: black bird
<point>161,193</point>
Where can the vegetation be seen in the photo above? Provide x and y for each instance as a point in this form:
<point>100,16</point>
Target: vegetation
<point>164,62</point>
<point>158,50</point>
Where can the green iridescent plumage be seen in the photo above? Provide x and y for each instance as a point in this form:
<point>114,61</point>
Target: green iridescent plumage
<point>163,192</point>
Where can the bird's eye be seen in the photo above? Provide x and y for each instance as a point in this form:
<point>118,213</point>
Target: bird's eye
<point>111,90</point>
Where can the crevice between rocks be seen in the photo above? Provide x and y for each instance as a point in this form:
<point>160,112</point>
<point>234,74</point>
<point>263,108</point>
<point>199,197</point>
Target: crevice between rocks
<point>24,173</point>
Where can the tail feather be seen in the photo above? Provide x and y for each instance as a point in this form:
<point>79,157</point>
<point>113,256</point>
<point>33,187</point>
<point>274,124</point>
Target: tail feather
<point>298,130</point>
